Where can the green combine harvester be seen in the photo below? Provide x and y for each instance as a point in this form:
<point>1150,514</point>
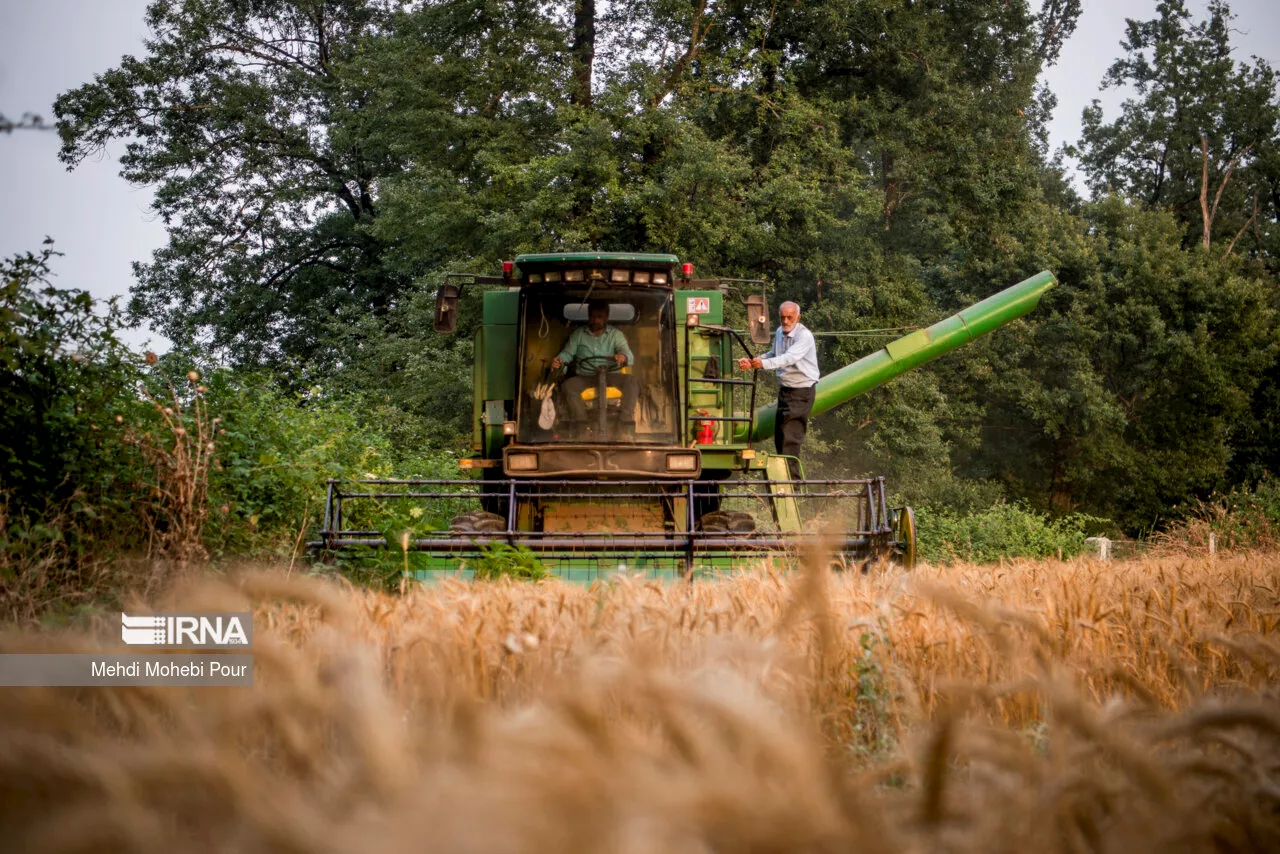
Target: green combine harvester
<point>685,483</point>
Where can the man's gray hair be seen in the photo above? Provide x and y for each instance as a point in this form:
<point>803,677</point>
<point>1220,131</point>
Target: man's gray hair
<point>794,305</point>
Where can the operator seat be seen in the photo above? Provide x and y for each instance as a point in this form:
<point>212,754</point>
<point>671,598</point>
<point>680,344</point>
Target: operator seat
<point>612,397</point>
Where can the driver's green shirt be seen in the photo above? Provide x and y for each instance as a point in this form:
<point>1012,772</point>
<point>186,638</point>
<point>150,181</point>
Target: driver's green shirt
<point>583,345</point>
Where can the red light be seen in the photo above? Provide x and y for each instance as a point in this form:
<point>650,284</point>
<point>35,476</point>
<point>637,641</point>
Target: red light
<point>686,270</point>
<point>507,267</point>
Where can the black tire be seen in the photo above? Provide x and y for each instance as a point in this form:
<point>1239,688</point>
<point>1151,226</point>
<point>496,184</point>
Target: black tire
<point>493,495</point>
<point>478,520</point>
<point>714,520</point>
<point>706,495</point>
<point>727,522</point>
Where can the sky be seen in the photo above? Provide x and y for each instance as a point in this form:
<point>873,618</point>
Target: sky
<point>102,224</point>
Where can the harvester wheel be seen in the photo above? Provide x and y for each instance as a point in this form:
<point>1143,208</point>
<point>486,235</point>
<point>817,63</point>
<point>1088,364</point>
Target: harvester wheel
<point>728,522</point>
<point>477,521</point>
<point>904,534</point>
<point>493,523</point>
<point>715,522</point>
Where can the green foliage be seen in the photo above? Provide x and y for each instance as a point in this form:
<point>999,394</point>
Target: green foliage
<point>416,384</point>
<point>1007,530</point>
<point>503,561</point>
<point>277,450</point>
<point>1194,108</point>
<point>1123,393</point>
<point>1239,519</point>
<point>874,729</point>
<point>48,569</point>
<point>65,393</point>
<point>321,165</point>
<point>240,118</point>
<point>86,429</point>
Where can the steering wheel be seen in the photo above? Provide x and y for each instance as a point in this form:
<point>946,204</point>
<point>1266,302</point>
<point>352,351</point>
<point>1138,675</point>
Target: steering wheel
<point>590,365</point>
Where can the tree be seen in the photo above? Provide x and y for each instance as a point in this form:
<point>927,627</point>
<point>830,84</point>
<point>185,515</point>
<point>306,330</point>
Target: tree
<point>1199,138</point>
<point>64,377</point>
<point>28,121</point>
<point>1124,394</point>
<point>240,117</point>
<point>881,163</point>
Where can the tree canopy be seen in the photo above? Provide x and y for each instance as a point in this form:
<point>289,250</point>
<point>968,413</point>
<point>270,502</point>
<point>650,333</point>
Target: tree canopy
<point>320,164</point>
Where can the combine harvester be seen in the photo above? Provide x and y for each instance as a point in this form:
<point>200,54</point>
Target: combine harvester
<point>692,487</point>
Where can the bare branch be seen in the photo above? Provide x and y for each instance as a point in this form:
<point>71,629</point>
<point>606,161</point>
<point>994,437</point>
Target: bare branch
<point>29,121</point>
<point>1204,186</point>
<point>1206,213</point>
<point>1253,220</point>
<point>696,38</point>
<point>1227,177</point>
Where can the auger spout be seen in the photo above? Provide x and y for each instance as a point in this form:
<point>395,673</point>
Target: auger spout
<point>915,349</point>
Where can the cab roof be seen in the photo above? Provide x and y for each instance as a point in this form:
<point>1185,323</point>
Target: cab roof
<point>629,258</point>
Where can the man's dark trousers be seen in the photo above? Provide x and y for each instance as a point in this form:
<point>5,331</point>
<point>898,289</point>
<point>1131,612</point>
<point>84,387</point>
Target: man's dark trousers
<point>792,422</point>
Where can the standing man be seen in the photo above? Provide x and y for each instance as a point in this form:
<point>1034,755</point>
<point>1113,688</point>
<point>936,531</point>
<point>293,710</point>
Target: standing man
<point>795,357</point>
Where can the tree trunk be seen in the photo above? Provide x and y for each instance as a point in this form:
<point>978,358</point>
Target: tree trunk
<point>583,50</point>
<point>1060,497</point>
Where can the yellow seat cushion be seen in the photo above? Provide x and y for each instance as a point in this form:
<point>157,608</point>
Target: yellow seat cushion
<point>610,393</point>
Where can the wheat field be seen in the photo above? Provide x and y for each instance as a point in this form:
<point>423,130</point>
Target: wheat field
<point>1059,706</point>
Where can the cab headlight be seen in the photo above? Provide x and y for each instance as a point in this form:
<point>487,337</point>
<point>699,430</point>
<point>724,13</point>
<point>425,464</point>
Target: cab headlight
<point>682,462</point>
<point>522,462</point>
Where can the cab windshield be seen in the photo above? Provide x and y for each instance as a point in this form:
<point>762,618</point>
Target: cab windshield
<point>612,343</point>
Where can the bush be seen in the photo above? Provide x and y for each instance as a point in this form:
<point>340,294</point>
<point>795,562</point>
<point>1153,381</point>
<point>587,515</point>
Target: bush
<point>65,395</point>
<point>276,453</point>
<point>1002,531</point>
<point>1241,519</point>
<point>503,561</point>
<point>46,567</point>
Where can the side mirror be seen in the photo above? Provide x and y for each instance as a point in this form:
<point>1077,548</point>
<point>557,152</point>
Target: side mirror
<point>758,319</point>
<point>446,308</point>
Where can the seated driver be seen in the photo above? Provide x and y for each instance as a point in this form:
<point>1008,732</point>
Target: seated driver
<point>593,345</point>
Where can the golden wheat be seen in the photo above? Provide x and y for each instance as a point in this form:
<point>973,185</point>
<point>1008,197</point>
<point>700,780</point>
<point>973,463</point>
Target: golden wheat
<point>1060,706</point>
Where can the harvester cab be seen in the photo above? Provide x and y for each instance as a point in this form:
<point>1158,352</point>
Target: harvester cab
<point>583,343</point>
<point>612,430</point>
